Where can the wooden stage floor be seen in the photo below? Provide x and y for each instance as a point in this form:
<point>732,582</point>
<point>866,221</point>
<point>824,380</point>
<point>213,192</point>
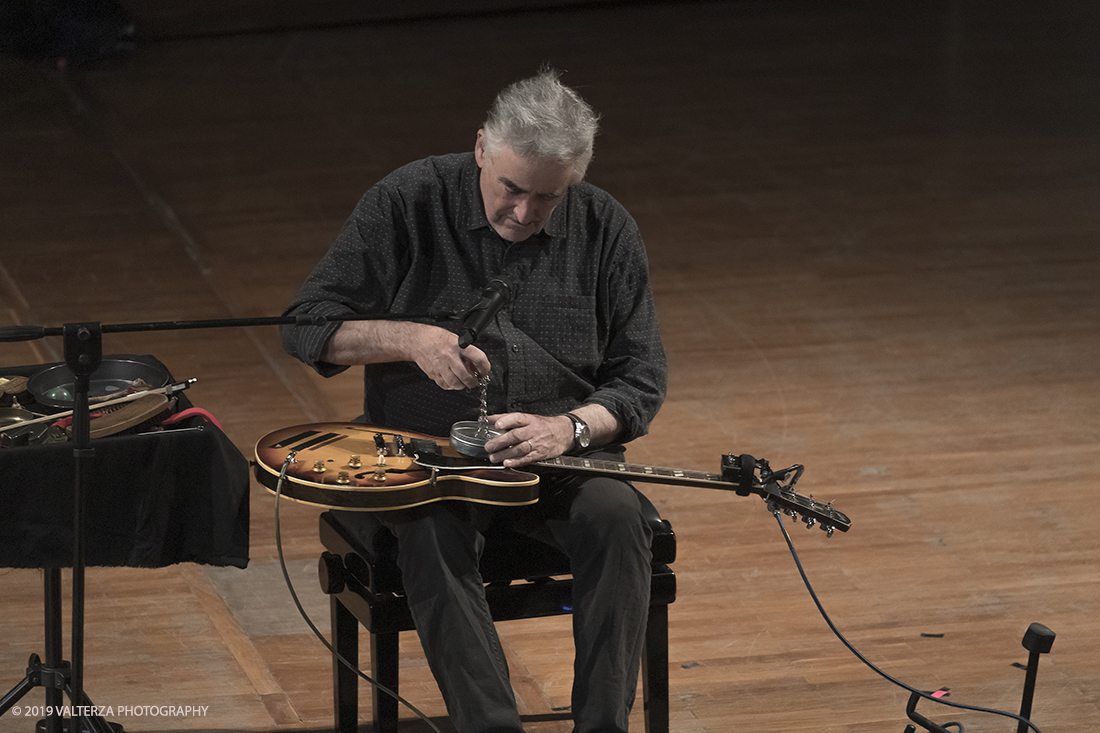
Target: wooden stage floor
<point>873,253</point>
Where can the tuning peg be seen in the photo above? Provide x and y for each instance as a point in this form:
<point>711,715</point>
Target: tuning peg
<point>828,529</point>
<point>810,522</point>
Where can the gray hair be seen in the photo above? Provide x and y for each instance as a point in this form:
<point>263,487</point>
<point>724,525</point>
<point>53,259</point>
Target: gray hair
<point>540,117</point>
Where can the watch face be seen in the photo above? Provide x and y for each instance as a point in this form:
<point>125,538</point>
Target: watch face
<point>581,434</point>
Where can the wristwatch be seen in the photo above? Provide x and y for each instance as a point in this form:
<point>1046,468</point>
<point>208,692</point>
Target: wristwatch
<point>582,436</point>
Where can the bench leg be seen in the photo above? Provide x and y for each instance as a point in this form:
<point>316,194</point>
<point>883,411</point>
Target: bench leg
<point>345,683</point>
<point>655,670</point>
<point>384,664</point>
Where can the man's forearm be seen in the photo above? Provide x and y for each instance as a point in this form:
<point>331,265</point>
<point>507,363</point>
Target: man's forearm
<point>602,424</point>
<point>433,349</point>
<point>371,342</point>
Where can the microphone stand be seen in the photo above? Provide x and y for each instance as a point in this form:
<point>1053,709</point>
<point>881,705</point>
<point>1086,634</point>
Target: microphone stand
<point>83,351</point>
<point>83,355</point>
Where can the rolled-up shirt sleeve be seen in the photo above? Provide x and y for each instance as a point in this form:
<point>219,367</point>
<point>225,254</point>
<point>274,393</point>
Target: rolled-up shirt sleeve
<point>354,277</point>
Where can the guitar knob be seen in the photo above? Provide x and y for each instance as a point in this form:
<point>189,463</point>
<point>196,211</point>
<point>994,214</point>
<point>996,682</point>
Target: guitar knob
<point>810,522</point>
<point>343,478</point>
<point>318,466</point>
<point>829,529</point>
<point>355,461</point>
<point>380,473</point>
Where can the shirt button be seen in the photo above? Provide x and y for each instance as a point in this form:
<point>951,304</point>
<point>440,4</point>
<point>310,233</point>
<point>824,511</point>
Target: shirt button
<point>515,348</point>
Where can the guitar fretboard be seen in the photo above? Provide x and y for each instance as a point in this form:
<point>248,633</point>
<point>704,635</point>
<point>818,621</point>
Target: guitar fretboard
<point>638,472</point>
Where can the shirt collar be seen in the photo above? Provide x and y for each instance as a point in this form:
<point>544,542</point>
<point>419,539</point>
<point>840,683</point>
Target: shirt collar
<point>472,210</point>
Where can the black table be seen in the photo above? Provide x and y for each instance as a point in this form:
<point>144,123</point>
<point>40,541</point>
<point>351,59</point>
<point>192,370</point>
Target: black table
<point>155,499</point>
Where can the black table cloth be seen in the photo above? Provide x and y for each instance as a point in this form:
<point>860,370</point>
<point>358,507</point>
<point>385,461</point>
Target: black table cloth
<point>154,499</point>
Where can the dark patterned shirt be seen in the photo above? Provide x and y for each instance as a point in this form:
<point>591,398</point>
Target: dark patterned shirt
<point>581,327</point>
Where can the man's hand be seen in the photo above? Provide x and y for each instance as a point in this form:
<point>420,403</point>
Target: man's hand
<point>528,438</point>
<point>438,355</point>
<point>435,350</point>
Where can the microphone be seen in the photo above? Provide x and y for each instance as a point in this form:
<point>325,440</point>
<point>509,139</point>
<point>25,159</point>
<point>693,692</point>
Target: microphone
<point>496,295</point>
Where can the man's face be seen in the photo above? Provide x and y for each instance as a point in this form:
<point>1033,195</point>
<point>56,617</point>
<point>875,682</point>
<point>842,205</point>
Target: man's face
<point>519,194</point>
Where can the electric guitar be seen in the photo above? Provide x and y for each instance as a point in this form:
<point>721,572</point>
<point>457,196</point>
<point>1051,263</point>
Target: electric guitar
<point>359,467</point>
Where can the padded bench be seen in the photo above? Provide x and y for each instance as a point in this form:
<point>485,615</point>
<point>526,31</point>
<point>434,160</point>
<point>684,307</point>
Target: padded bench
<point>524,578</point>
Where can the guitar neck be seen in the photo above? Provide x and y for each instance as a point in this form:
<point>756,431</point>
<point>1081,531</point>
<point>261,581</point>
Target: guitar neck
<point>637,472</point>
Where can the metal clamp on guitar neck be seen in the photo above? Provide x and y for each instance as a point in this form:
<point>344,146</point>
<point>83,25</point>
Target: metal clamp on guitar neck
<point>777,488</point>
<point>740,471</point>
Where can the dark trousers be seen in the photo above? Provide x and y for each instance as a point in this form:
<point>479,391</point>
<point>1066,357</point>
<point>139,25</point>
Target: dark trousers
<point>599,525</point>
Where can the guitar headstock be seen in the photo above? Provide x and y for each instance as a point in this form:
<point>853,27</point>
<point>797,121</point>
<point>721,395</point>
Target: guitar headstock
<point>755,476</point>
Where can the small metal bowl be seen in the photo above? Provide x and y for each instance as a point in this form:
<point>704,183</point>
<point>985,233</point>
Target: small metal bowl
<point>469,438</point>
<point>53,386</point>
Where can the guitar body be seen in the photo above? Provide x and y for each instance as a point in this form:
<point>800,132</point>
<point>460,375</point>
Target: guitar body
<point>325,471</point>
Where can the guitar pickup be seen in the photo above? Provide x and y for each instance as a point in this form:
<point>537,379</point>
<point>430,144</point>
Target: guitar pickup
<point>423,447</point>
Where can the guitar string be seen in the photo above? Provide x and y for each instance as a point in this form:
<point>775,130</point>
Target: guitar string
<point>927,696</point>
<point>309,621</point>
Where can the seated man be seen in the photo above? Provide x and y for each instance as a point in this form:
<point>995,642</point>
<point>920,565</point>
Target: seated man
<point>574,363</point>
